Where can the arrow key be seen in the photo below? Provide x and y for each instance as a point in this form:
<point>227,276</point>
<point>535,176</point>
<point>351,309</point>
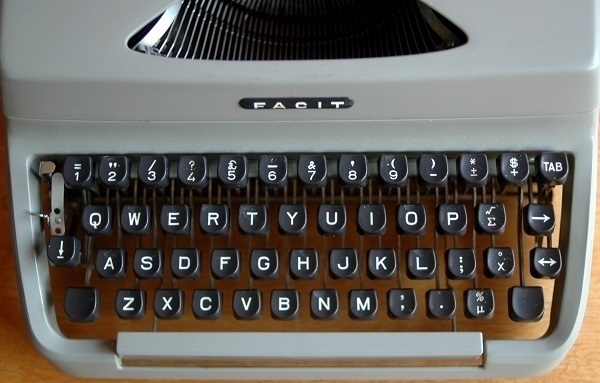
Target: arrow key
<point>64,251</point>
<point>545,262</point>
<point>538,219</point>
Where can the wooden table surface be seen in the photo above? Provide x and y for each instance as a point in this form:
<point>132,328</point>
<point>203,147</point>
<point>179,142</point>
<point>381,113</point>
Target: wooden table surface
<point>20,361</point>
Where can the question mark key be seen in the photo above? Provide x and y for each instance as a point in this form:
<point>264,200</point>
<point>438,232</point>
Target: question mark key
<point>192,171</point>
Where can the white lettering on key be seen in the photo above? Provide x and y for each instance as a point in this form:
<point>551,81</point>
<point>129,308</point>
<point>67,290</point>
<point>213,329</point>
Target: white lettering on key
<point>452,216</point>
<point>224,261</point>
<point>284,304</point>
<point>128,302</point>
<point>184,263</point>
<point>167,303</point>
<point>246,304</point>
<point>305,262</point>
<point>263,263</point>
<point>173,219</point>
<point>324,304</point>
<point>252,214</point>
<point>411,218</point>
<point>362,306</point>
<point>134,218</point>
<point>208,305</point>
<point>345,267</point>
<point>146,263</point>
<point>109,264</point>
<point>95,220</point>
<point>380,262</point>
<point>292,217</point>
<point>419,267</point>
<point>213,216</point>
<point>329,222</point>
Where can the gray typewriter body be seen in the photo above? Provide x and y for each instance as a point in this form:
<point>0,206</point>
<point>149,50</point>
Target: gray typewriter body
<point>521,83</point>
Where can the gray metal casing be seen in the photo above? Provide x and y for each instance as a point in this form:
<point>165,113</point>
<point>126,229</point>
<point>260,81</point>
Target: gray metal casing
<point>71,85</point>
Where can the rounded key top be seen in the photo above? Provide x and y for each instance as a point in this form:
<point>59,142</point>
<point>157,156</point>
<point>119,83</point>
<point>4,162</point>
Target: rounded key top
<point>82,304</point>
<point>433,170</point>
<point>113,172</point>
<point>312,170</point>
<point>545,262</point>
<point>552,168</point>
<point>472,169</point>
<point>441,304</point>
<point>513,168</point>
<point>538,219</point>
<point>393,170</point>
<point>78,172</point>
<point>232,170</point>
<point>352,170</point>
<point>153,171</point>
<point>192,171</point>
<point>273,171</point>
<point>64,251</point>
<point>479,303</point>
<point>525,303</point>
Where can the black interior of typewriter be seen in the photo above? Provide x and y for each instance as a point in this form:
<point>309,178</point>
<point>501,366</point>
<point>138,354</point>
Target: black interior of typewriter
<point>240,30</point>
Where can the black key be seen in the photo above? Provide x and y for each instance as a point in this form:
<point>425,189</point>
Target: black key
<point>352,170</point>
<point>552,168</point>
<point>136,219</point>
<point>371,219</point>
<point>441,304</point>
<point>292,219</point>
<point>526,303</point>
<point>285,304</point>
<point>225,263</point>
<point>168,303</point>
<point>175,219</point>
<point>472,169</point>
<point>111,263</point>
<point>207,304</point>
<point>324,304</point>
<point>247,304</point>
<point>479,303</point>
<point>82,304</point>
<point>343,263</point>
<point>452,219</point>
<point>78,172</point>
<point>332,219</point>
<point>460,263</point>
<point>232,171</point>
<point>114,172</point>
<point>402,303</point>
<point>363,304</point>
<point>252,219</point>
<point>304,263</point>
<point>153,171</point>
<point>490,218</point>
<point>312,170</point>
<point>97,219</point>
<point>381,263</point>
<point>432,170</point>
<point>545,262</point>
<point>214,219</point>
<point>421,263</point>
<point>411,219</point>
<point>148,263</point>
<point>64,251</point>
<point>130,304</point>
<point>264,264</point>
<point>499,262</point>
<point>273,171</point>
<point>192,171</point>
<point>538,219</point>
<point>513,168</point>
<point>393,170</point>
<point>185,263</point>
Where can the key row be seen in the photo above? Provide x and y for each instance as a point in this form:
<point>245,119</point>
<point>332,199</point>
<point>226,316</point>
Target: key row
<point>264,264</point>
<point>525,303</point>
<point>332,219</point>
<point>232,170</point>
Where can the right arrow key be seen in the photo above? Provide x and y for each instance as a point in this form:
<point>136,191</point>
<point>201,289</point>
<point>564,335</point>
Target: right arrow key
<point>538,219</point>
<point>545,262</point>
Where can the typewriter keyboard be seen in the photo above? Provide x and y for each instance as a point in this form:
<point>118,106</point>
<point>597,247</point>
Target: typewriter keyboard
<point>304,242</point>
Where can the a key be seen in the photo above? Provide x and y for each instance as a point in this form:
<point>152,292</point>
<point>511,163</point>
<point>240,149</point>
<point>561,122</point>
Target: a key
<point>64,251</point>
<point>185,263</point>
<point>490,218</point>
<point>472,169</point>
<point>168,303</point>
<point>114,172</point>
<point>343,263</point>
<point>526,303</point>
<point>538,219</point>
<point>363,304</point>
<point>304,263</point>
<point>285,304</point>
<point>97,220</point>
<point>545,262</point>
<point>402,303</point>
<point>381,263</point>
<point>352,170</point>
<point>130,304</point>
<point>371,219</point>
<point>312,170</point>
<point>292,219</point>
<point>192,171</point>
<point>82,304</point>
<point>252,219</point>
<point>412,219</point>
<point>479,303</point>
<point>175,219</point>
<point>232,170</point>
<point>111,263</point>
<point>460,263</point>
<point>393,170</point>
<point>78,172</point>
<point>214,219</point>
<point>264,263</point>
<point>452,219</point>
<point>324,304</point>
<point>207,304</point>
<point>499,262</point>
<point>225,263</point>
<point>153,171</point>
<point>136,219</point>
<point>332,219</point>
<point>421,263</point>
<point>513,168</point>
<point>552,168</point>
<point>441,304</point>
<point>273,171</point>
<point>432,170</point>
<point>247,304</point>
<point>148,263</point>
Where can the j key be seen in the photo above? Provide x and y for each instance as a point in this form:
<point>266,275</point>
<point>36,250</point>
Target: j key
<point>232,170</point>
<point>479,303</point>
<point>97,219</point>
<point>312,170</point>
<point>441,304</point>
<point>343,263</point>
<point>78,172</point>
<point>352,170</point>
<point>393,170</point>
<point>371,219</point>
<point>433,170</point>
<point>526,303</point>
<point>552,168</point>
<point>192,171</point>
<point>252,219</point>
<point>264,264</point>
<point>452,219</point>
<point>273,171</point>
<point>304,263</point>
<point>545,262</point>
<point>460,263</point>
<point>111,263</point>
<point>168,303</point>
<point>292,219</point>
<point>472,169</point>
<point>175,219</point>
<point>402,303</point>
<point>381,263</point>
<point>153,171</point>
<point>225,263</point>
<point>82,304</point>
<point>421,263</point>
<point>185,263</point>
<point>64,251</point>
<point>490,218</point>
<point>412,219</point>
<point>148,263</point>
<point>324,304</point>
<point>136,219</point>
<point>332,219</point>
<point>207,304</point>
<point>499,262</point>
<point>538,219</point>
<point>130,304</point>
<point>363,304</point>
<point>247,304</point>
<point>114,172</point>
<point>285,304</point>
<point>214,219</point>
<point>513,168</point>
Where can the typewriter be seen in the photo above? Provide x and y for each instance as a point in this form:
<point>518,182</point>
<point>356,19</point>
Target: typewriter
<point>272,189</point>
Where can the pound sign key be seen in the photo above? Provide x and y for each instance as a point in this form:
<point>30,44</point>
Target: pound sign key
<point>232,171</point>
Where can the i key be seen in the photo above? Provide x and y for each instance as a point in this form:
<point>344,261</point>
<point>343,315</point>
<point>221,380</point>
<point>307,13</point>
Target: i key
<point>153,171</point>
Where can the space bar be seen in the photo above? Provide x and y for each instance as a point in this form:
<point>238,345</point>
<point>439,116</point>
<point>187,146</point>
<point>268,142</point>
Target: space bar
<point>310,346</point>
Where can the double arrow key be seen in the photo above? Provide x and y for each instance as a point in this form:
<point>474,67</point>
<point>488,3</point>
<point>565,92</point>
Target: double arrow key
<point>538,219</point>
<point>545,262</point>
